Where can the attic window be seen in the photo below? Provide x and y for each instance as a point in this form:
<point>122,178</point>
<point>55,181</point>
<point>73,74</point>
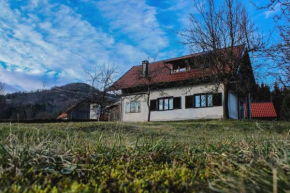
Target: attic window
<point>179,68</point>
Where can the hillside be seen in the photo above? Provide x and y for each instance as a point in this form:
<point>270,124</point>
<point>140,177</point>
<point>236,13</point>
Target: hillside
<point>44,104</point>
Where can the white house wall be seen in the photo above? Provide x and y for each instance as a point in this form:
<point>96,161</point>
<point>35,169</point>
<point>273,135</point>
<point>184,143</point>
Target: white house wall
<point>177,114</point>
<point>136,117</point>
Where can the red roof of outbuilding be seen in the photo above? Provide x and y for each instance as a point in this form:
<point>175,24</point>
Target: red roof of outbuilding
<point>62,116</point>
<point>159,72</point>
<point>263,109</point>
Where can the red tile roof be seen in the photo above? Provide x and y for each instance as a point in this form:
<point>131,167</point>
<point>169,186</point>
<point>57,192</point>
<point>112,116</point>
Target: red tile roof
<point>263,109</point>
<point>159,72</point>
<point>62,116</point>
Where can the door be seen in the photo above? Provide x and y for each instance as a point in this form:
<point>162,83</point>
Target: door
<point>242,110</point>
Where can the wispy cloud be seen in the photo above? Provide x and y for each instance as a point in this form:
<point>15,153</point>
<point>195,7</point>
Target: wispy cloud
<point>53,41</point>
<point>135,22</point>
<point>51,37</point>
<point>44,39</point>
<point>273,11</point>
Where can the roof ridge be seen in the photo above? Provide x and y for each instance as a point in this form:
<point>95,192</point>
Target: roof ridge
<point>130,78</point>
<point>187,55</point>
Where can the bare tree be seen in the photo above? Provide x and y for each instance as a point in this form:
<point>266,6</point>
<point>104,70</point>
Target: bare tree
<point>220,33</point>
<point>272,5</point>
<point>278,49</point>
<point>2,92</point>
<point>2,85</point>
<point>101,78</point>
<point>2,99</point>
<point>279,53</point>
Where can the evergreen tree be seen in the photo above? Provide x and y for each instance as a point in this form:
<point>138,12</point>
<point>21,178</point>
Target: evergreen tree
<point>277,99</point>
<point>285,107</point>
<point>262,94</point>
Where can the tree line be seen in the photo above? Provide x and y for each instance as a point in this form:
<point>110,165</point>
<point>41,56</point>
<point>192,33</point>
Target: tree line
<point>278,95</point>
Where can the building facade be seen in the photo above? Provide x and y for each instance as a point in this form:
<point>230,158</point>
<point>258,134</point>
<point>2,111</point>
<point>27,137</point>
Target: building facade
<point>176,89</point>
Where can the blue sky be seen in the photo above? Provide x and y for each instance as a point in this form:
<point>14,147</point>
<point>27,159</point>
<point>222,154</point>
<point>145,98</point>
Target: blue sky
<point>53,41</point>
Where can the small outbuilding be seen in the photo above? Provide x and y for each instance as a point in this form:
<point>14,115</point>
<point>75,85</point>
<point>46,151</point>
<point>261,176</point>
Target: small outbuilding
<point>114,111</point>
<point>263,110</point>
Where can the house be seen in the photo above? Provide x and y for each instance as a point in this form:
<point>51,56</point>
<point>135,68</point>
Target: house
<point>114,111</point>
<point>177,89</point>
<point>89,108</point>
<point>83,111</point>
<point>78,111</point>
<point>262,110</point>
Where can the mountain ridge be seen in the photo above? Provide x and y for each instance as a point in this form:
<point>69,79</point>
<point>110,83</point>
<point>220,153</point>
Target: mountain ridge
<point>45,103</point>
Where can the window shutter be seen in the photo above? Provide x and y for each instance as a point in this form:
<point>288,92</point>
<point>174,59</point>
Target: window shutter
<point>189,102</point>
<point>177,102</point>
<point>153,105</point>
<point>217,99</point>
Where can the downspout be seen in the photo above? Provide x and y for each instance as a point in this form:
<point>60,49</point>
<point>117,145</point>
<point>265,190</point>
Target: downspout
<point>238,103</point>
<point>121,109</point>
<point>249,110</point>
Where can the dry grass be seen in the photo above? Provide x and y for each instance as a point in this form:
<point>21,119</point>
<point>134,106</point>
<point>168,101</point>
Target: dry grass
<point>192,156</point>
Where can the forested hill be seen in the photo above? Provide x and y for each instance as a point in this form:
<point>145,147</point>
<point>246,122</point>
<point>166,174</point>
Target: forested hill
<point>44,104</point>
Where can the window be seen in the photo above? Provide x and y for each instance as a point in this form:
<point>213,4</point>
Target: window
<point>160,104</point>
<point>203,100</point>
<point>164,104</point>
<point>209,100</point>
<point>133,107</point>
<point>171,103</point>
<point>127,107</point>
<point>197,101</point>
<point>182,69</point>
<point>179,67</point>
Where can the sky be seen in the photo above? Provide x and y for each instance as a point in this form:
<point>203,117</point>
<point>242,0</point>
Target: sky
<point>53,41</point>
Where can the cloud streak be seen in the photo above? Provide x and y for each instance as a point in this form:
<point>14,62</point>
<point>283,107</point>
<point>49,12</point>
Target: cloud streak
<point>43,39</point>
<point>53,41</point>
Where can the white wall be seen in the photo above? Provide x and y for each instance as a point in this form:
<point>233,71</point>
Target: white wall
<point>233,106</point>
<point>94,111</point>
<point>178,114</point>
<point>141,116</point>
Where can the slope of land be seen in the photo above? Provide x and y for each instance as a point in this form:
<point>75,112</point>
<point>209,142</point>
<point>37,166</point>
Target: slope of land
<point>191,156</point>
<point>44,104</point>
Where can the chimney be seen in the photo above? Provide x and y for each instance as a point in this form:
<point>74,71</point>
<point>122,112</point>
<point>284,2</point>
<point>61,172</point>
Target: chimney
<point>145,64</point>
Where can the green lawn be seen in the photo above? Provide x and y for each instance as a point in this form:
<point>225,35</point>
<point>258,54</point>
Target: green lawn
<point>191,156</point>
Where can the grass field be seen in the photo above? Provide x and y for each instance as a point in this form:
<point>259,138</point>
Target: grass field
<point>193,156</point>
